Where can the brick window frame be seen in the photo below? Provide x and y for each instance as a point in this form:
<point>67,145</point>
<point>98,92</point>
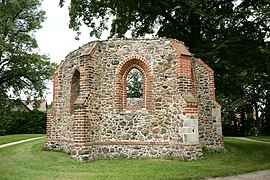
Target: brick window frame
<point>74,89</point>
<point>122,71</point>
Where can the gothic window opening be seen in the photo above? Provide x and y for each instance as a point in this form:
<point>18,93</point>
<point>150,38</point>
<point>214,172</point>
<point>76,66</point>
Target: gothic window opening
<point>134,89</point>
<point>75,90</point>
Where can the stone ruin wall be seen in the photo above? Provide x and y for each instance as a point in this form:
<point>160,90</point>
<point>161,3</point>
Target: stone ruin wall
<point>59,122</point>
<point>209,111</point>
<point>96,124</point>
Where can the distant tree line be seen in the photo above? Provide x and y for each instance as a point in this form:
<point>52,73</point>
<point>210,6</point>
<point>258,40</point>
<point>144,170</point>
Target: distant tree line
<point>21,122</point>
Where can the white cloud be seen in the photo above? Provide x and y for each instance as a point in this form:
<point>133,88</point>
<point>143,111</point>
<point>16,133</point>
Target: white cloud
<point>55,39</point>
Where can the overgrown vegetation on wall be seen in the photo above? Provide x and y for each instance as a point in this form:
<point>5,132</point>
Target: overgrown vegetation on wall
<point>21,122</point>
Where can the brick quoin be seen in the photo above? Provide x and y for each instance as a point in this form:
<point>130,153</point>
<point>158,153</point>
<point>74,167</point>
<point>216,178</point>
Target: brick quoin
<point>184,68</point>
<point>79,96</point>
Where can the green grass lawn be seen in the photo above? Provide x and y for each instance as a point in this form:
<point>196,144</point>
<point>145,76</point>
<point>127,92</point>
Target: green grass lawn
<point>260,138</point>
<point>17,137</point>
<point>29,161</point>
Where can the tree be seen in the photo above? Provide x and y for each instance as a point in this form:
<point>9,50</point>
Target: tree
<point>185,20</point>
<point>22,69</point>
<point>134,84</point>
<point>230,35</point>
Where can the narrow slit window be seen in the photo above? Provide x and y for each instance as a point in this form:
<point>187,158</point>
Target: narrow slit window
<point>75,90</point>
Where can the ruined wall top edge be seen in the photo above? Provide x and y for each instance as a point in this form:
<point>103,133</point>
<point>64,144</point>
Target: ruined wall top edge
<point>79,51</point>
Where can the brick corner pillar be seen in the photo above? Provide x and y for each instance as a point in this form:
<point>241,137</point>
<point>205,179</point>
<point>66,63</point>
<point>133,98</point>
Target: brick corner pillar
<point>81,122</point>
<point>184,75</point>
<point>81,132</point>
<point>184,69</point>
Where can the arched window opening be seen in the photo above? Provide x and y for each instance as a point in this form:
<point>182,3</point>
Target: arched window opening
<point>134,89</point>
<point>75,89</point>
<point>134,63</point>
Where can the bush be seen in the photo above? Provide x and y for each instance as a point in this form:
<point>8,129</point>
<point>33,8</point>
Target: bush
<point>20,122</point>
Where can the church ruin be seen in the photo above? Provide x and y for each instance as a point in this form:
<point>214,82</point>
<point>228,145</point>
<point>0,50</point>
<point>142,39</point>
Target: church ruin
<point>92,117</point>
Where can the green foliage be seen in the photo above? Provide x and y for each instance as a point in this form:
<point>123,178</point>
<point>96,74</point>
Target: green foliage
<point>29,161</point>
<point>22,69</point>
<point>21,122</point>
<point>134,84</point>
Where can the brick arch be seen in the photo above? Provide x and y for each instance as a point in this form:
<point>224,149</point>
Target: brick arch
<point>74,92</point>
<point>122,71</point>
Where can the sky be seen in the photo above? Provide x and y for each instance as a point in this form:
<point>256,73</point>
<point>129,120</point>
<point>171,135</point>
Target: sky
<point>55,39</point>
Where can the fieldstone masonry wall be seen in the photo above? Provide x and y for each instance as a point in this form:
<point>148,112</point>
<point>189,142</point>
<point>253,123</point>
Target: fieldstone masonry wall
<point>92,119</point>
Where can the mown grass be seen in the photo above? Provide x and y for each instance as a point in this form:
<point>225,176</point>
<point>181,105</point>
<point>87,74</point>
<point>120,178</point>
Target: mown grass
<point>30,161</point>
<point>17,137</point>
<point>260,138</point>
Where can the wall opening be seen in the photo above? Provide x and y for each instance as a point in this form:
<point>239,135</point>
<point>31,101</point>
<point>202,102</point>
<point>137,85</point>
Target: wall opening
<point>75,90</point>
<point>134,89</point>
<point>131,64</point>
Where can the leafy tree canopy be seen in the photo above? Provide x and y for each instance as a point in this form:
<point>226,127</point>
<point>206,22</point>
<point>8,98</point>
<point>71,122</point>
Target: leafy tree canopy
<point>186,20</point>
<point>22,69</point>
<point>134,84</point>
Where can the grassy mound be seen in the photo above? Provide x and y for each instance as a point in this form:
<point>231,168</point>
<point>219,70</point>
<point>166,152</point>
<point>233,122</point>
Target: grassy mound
<point>30,161</point>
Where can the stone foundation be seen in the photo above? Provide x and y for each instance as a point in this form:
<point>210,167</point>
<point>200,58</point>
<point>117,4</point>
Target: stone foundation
<point>127,150</point>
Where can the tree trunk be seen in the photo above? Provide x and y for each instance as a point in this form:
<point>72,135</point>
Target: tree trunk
<point>195,28</point>
<point>257,119</point>
<point>242,119</point>
<point>235,126</point>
